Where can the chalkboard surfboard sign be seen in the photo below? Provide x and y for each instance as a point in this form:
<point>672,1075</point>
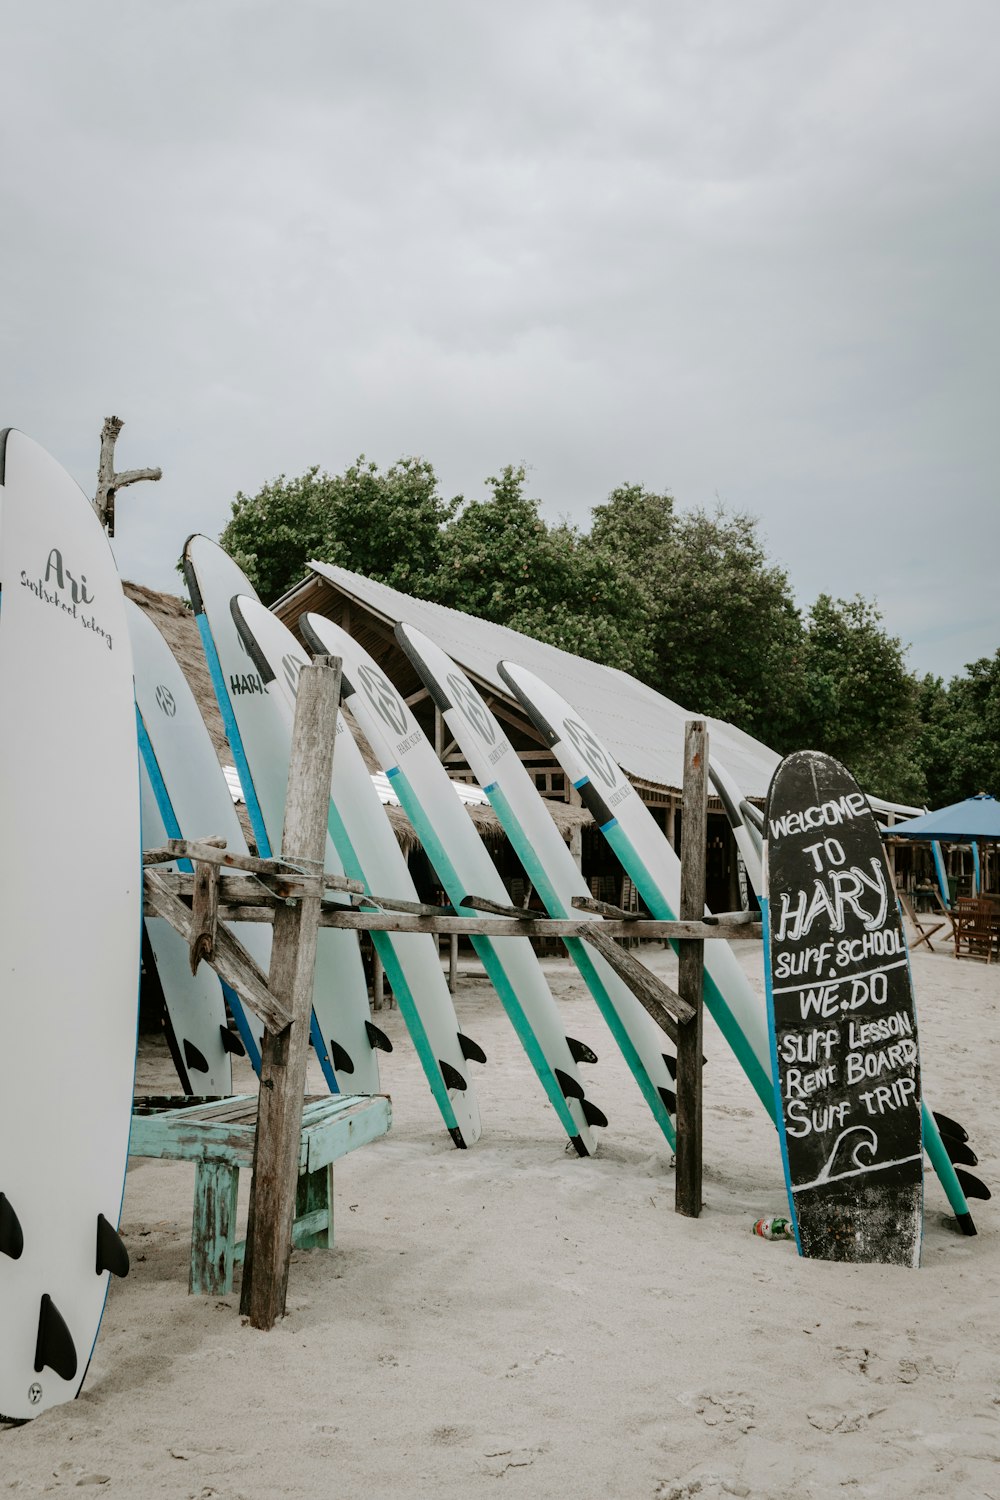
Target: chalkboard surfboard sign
<point>842,1019</point>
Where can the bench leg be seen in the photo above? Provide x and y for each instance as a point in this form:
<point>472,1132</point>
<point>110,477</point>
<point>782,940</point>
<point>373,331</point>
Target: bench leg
<point>213,1229</point>
<point>314,1202</point>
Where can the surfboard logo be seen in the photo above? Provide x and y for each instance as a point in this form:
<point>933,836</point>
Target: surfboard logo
<point>383,698</point>
<point>472,707</point>
<point>247,682</point>
<point>590,752</point>
<point>34,1393</point>
<point>56,572</point>
<point>292,668</point>
<point>165,701</point>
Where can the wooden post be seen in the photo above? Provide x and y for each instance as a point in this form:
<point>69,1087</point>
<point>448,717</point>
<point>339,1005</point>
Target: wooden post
<point>452,962</point>
<point>691,957</point>
<point>293,960</point>
<point>108,482</point>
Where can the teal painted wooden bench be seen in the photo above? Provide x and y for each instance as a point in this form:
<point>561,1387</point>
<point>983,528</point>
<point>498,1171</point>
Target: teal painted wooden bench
<point>218,1136</point>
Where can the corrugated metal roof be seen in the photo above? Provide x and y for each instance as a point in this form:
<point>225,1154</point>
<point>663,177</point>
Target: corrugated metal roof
<point>642,729</point>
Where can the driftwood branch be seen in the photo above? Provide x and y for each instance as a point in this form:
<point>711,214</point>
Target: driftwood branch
<point>108,482</point>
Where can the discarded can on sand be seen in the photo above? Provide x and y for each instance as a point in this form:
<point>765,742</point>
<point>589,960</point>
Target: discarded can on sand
<point>774,1229</point>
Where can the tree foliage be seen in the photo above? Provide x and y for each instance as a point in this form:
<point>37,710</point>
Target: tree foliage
<point>687,601</point>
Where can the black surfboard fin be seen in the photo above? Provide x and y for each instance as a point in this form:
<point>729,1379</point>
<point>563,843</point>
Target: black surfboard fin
<point>452,1076</point>
<point>671,1063</point>
<point>342,1061</point>
<point>959,1152</point>
<point>593,1115</point>
<point>581,1052</point>
<point>379,1041</point>
<point>471,1051</point>
<point>232,1042</point>
<point>947,1126</point>
<point>572,1087</point>
<point>971,1186</point>
<point>111,1253</point>
<point>670,1100</point>
<point>11,1233</point>
<point>54,1346</point>
<point>194,1057</point>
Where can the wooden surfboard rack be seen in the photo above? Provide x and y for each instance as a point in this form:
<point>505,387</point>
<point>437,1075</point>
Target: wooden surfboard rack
<point>297,897</point>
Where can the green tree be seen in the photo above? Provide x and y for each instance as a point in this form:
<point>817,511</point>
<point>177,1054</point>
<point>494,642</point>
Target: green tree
<point>720,633</point>
<point>385,524</point>
<point>500,561</point>
<point>960,738</point>
<point>859,702</point>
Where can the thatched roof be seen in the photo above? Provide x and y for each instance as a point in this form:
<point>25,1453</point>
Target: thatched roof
<point>175,621</point>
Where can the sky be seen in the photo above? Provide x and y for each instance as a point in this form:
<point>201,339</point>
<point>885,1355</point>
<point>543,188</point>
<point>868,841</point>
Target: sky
<point>745,252</point>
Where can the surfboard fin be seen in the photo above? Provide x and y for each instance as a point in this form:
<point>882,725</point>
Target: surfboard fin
<point>11,1233</point>
<point>111,1253</point>
<point>194,1057</point>
<point>471,1051</point>
<point>452,1076</point>
<point>581,1052</point>
<point>959,1153</point>
<point>950,1127</point>
<point>670,1100</point>
<point>572,1087</point>
<point>231,1042</point>
<point>971,1186</point>
<point>342,1061</point>
<point>593,1115</point>
<point>671,1063</point>
<point>54,1346</point>
<point>379,1041</point>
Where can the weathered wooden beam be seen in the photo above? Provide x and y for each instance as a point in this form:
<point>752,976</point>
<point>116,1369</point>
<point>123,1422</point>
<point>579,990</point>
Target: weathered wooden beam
<point>604,909</point>
<point>665,1005</point>
<point>231,961</point>
<point>204,914</point>
<point>293,963</point>
<point>690,961</point>
<point>213,851</point>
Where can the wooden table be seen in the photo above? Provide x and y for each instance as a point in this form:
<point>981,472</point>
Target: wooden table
<point>218,1136</point>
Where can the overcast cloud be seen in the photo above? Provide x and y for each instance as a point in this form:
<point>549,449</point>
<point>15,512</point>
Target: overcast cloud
<point>744,251</point>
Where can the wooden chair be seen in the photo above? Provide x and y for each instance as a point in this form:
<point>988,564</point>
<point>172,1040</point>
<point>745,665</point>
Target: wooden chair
<point>977,929</point>
<point>925,925</point>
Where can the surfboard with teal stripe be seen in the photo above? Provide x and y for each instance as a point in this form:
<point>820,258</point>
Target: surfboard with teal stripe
<point>547,862</point>
<point>371,854</point>
<point>341,1030</point>
<point>646,855</point>
<point>464,868</point>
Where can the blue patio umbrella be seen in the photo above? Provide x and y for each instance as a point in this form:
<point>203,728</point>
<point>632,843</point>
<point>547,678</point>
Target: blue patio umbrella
<point>974,820</point>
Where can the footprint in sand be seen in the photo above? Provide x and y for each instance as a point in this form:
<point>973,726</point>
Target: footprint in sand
<point>733,1412</point>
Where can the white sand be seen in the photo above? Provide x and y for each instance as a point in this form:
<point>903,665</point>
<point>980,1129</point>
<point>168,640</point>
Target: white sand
<point>514,1320</point>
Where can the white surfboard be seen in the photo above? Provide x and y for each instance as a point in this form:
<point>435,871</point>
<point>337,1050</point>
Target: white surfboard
<point>344,1037</point>
<point>193,1003</point>
<point>648,858</point>
<point>186,796</point>
<point>70,924</point>
<point>546,860</point>
<point>370,853</point>
<point>464,867</point>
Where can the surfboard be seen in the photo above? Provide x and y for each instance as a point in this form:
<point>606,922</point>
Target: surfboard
<point>69,970</point>
<point>944,1140</point>
<point>195,1011</point>
<point>646,855</point>
<point>843,1021</point>
<point>343,1035</point>
<point>365,841</point>
<point>186,796</point>
<point>464,867</point>
<point>547,862</point>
